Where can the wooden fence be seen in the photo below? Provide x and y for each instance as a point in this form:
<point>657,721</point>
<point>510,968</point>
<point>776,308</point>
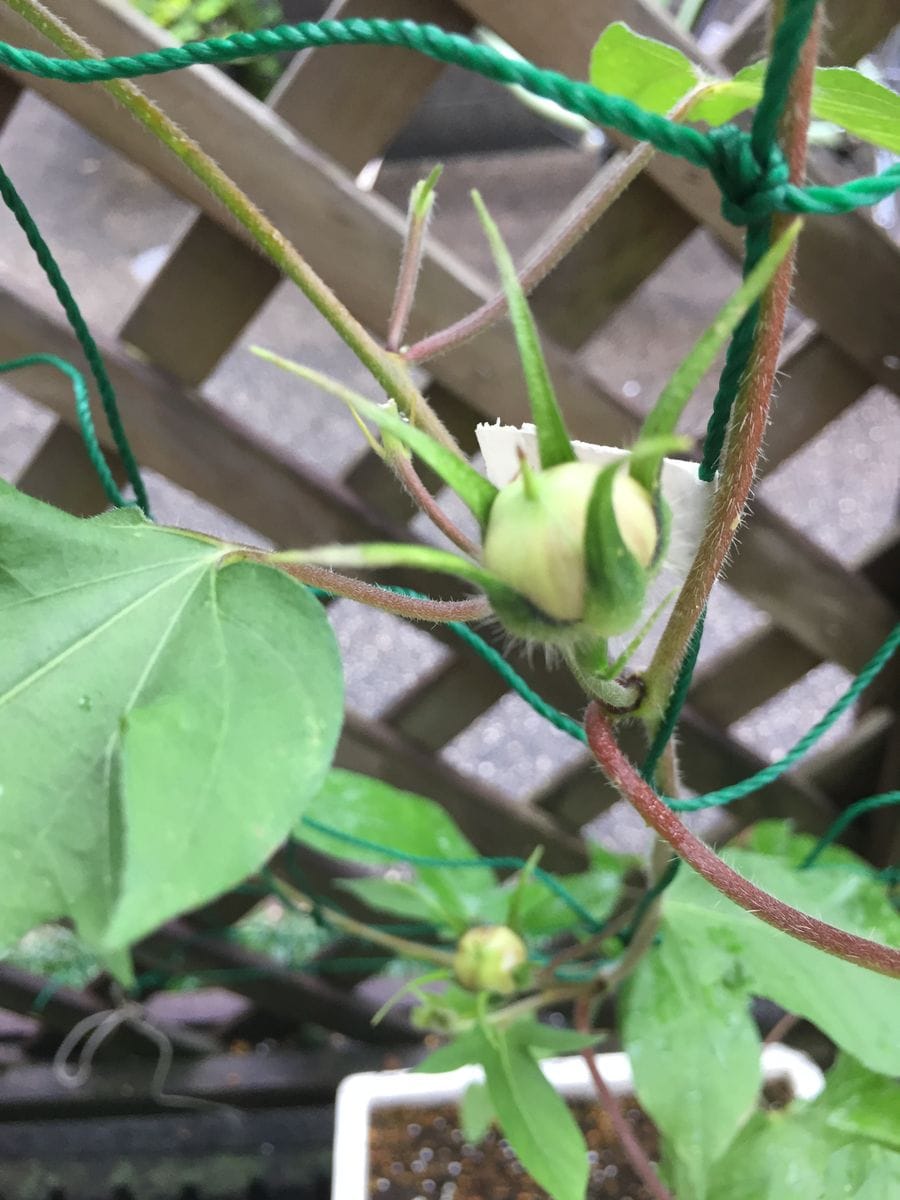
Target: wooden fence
<point>297,158</point>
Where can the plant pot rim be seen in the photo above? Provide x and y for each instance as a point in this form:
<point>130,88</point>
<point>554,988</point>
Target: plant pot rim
<point>359,1095</point>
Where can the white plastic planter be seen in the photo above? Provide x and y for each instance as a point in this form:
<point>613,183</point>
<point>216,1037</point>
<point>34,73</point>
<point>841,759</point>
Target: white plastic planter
<point>359,1095</point>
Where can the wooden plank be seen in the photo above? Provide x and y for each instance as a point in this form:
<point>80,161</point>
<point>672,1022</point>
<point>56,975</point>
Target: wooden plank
<point>178,433</point>
<point>850,768</point>
<point>883,826</point>
<point>175,326</point>
<point>10,93</point>
<point>828,609</point>
<point>63,1007</point>
<point>848,268</point>
<point>495,824</point>
<point>293,994</point>
<point>748,674</point>
<point>631,241</point>
<point>61,473</point>
<point>322,98</point>
<point>760,666</point>
<point>338,99</point>
<point>851,30</point>
<point>817,383</point>
<point>882,564</point>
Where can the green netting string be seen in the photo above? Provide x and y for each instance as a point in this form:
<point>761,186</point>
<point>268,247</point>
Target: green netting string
<point>768,774</point>
<point>754,184</point>
<point>775,770</point>
<point>503,862</point>
<point>55,277</point>
<point>748,168</point>
<point>847,817</point>
<point>83,413</point>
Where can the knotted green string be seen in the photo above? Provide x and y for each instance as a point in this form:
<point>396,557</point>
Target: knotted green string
<point>744,179</point>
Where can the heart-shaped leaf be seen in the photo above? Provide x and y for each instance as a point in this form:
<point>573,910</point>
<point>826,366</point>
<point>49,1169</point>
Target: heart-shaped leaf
<point>166,710</point>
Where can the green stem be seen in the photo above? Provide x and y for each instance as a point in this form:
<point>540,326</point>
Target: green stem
<point>398,945</point>
<point>388,369</point>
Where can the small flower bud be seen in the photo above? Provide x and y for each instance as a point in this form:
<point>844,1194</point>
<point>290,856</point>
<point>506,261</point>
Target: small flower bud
<point>490,958</point>
<point>535,539</point>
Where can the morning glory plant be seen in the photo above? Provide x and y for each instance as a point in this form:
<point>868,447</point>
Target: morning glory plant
<point>572,535</point>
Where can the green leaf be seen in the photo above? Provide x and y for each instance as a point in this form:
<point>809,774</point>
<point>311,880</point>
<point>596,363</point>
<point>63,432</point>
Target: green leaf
<point>473,489</point>
<point>723,99</point>
<point>536,1121</point>
<point>861,1103</point>
<point>466,1049</point>
<point>617,583</point>
<point>476,1113</point>
<point>166,708</point>
<point>543,913</point>
<point>867,109</point>
<point>827,1150</point>
<point>544,1041</point>
<point>695,1053</point>
<point>359,807</point>
<point>554,444</point>
<point>664,417</point>
<point>412,901</point>
<point>372,555</point>
<point>779,840</point>
<point>855,1007</point>
<point>841,95</point>
<point>422,196</point>
<point>774,1158</point>
<point>652,74</point>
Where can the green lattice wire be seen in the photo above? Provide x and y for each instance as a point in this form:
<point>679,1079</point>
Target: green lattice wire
<point>753,178</point>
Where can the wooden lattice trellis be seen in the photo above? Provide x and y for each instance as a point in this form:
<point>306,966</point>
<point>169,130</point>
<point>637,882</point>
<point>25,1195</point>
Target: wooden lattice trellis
<point>296,158</point>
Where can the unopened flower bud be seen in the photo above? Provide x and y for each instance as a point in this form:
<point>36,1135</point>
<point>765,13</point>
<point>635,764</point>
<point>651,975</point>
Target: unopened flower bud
<point>490,958</point>
<point>535,539</point>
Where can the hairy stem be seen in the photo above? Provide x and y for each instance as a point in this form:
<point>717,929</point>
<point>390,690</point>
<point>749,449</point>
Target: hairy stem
<point>476,608</point>
<point>805,928</point>
<point>748,421</point>
<point>643,937</point>
<point>636,1153</point>
<point>585,210</point>
<point>388,369</point>
<point>421,205</point>
<point>423,499</point>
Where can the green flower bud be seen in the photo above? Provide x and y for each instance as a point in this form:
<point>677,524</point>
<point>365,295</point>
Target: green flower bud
<point>490,958</point>
<point>536,532</point>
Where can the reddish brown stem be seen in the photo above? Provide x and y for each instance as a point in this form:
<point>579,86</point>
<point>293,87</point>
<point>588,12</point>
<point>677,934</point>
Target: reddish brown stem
<point>423,499</point>
<point>584,211</point>
<point>749,419</point>
<point>474,608</point>
<point>625,778</point>
<point>629,1142</point>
